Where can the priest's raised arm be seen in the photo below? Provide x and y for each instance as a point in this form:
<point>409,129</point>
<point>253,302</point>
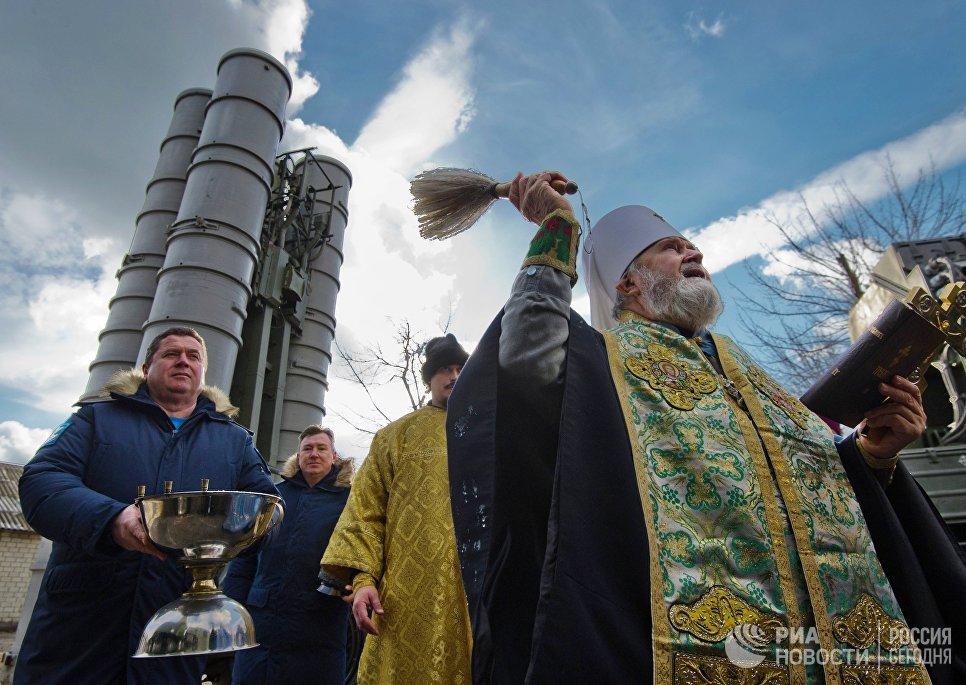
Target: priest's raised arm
<point>549,530</point>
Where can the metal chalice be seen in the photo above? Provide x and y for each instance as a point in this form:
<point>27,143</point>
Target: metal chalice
<point>203,531</point>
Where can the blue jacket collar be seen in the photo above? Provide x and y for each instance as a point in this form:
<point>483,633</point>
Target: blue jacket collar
<point>142,398</point>
<point>327,483</point>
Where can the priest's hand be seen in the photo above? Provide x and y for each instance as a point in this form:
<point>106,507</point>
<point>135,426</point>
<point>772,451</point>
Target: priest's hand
<point>365,602</point>
<point>534,197</point>
<point>893,425</point>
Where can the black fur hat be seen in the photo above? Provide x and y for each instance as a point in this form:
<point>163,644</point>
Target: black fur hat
<point>441,352</point>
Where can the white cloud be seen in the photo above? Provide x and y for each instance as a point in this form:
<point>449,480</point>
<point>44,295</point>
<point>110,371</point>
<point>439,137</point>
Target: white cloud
<point>390,273</point>
<point>18,443</point>
<point>581,305</point>
<point>600,97</point>
<point>38,231</point>
<point>788,263</point>
<point>750,232</point>
<point>697,26</point>
<point>428,108</point>
<point>57,285</point>
<point>59,251</point>
<point>65,119</point>
<point>282,24</point>
<point>55,366</point>
<point>300,134</point>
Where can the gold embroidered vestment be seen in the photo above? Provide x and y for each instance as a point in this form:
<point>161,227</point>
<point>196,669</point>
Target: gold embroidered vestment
<point>397,530</point>
<point>752,523</point>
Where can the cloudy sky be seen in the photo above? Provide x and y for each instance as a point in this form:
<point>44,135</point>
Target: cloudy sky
<point>712,113</point>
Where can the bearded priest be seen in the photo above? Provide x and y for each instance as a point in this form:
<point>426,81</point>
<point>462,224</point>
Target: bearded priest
<point>643,502</point>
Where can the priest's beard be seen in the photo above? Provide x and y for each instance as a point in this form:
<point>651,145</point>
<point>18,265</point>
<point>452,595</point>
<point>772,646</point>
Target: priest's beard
<point>691,303</point>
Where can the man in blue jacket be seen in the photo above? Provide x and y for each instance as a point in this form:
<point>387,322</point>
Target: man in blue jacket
<point>104,578</point>
<point>301,632</point>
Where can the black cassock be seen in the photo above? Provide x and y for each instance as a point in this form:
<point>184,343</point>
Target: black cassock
<point>552,540</point>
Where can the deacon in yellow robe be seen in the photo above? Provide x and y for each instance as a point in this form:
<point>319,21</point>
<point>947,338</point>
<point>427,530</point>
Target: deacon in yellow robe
<point>395,542</point>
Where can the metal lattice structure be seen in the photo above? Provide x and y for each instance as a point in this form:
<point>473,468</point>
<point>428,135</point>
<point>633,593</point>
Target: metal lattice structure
<point>280,381</point>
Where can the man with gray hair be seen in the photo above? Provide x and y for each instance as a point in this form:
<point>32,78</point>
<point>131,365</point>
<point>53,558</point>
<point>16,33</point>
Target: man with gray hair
<point>301,632</point>
<point>644,501</point>
<point>104,578</point>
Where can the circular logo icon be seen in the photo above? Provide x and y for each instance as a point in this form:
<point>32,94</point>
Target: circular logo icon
<point>746,645</point>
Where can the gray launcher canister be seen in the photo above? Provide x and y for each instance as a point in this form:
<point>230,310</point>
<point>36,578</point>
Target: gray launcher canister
<point>309,356</point>
<point>120,340</point>
<point>213,248</point>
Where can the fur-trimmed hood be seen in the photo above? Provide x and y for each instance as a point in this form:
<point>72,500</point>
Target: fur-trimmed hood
<point>128,381</point>
<point>291,467</point>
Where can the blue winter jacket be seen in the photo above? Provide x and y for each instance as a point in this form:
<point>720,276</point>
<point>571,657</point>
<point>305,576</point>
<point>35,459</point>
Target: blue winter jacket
<point>301,632</point>
<point>96,597</point>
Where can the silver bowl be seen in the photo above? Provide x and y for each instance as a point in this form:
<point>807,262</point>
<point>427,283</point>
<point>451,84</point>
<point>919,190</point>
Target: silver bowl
<point>204,530</point>
<point>206,526</point>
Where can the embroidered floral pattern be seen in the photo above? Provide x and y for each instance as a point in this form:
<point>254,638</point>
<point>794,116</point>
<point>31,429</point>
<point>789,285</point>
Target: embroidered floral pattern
<point>679,547</point>
<point>882,675</point>
<point>796,411</point>
<point>695,669</point>
<point>842,567</point>
<point>866,623</point>
<point>679,383</point>
<point>555,244</point>
<point>717,612</point>
<point>702,494</point>
<point>404,541</point>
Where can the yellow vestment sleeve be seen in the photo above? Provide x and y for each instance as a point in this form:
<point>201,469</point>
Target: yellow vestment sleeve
<point>358,541</point>
<point>362,580</point>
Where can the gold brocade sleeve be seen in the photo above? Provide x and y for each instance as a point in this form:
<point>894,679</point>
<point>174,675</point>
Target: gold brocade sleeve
<point>358,541</point>
<point>881,468</point>
<point>363,580</point>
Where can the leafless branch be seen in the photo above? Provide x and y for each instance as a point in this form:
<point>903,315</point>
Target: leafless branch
<point>357,370</point>
<point>799,320</point>
<point>357,426</point>
<point>398,367</point>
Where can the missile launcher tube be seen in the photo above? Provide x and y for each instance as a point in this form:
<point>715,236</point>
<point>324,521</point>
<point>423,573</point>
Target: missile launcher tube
<point>311,352</point>
<point>213,247</point>
<point>120,340</point>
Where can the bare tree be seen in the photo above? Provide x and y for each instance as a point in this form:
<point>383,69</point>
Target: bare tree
<point>800,319</point>
<point>375,365</point>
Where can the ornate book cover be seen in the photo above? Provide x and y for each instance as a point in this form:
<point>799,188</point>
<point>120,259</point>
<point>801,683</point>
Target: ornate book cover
<point>900,341</point>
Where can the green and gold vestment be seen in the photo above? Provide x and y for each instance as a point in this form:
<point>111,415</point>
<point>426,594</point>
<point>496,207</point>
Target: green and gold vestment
<point>751,520</point>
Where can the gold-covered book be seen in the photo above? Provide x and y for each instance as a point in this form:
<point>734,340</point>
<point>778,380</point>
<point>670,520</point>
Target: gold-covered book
<point>902,341</point>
